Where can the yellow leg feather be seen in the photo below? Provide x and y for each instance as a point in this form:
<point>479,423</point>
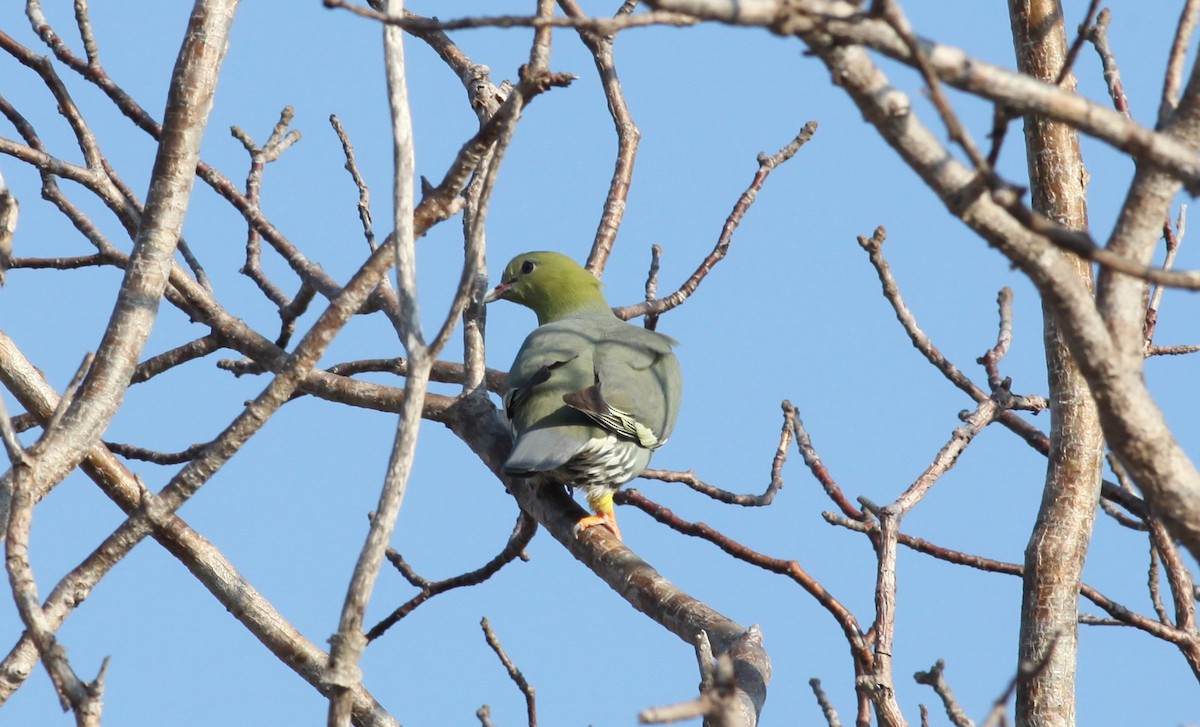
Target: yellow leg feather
<point>602,503</point>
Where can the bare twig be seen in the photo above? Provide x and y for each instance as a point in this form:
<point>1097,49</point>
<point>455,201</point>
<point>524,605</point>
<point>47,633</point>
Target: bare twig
<point>1173,238</point>
<point>348,642</point>
<point>1098,35</point>
<point>713,703</point>
<point>1077,44</point>
<point>167,360</point>
<point>1125,521</point>
<point>1173,78</point>
<point>484,714</point>
<point>936,678</point>
<point>74,694</point>
<point>991,359</point>
<point>892,14</point>
<point>83,20</point>
<point>606,26</point>
<point>1026,670</point>
<point>651,320</point>
<point>1172,350</point>
<point>446,372</point>
<point>873,246</point>
<point>878,682</point>
<point>948,455</point>
<point>827,708</point>
<point>813,461</point>
<point>523,532</point>
<point>788,568</point>
<point>513,672</point>
<point>766,164</point>
<point>12,445</point>
<point>600,44</point>
<point>70,393</point>
<point>8,227</point>
<point>279,140</point>
<point>433,209</point>
<point>1115,609</point>
<point>766,498</point>
<point>364,192</point>
<point>129,451</point>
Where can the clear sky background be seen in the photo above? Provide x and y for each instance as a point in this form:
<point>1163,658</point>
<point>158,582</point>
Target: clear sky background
<point>793,313</point>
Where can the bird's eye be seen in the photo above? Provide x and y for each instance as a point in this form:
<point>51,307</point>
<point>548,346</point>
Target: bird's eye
<point>527,267</point>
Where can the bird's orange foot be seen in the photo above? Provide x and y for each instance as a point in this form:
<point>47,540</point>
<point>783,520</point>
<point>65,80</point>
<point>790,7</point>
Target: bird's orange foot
<point>608,520</point>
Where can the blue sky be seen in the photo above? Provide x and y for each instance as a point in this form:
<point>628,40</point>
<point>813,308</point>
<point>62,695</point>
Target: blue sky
<point>793,313</point>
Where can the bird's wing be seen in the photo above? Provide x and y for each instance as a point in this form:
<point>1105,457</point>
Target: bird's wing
<point>575,379</point>
<point>553,361</point>
<point>541,450</point>
<point>634,391</point>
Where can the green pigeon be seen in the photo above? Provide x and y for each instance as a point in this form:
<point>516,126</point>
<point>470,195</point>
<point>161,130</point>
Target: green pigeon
<point>589,396</point>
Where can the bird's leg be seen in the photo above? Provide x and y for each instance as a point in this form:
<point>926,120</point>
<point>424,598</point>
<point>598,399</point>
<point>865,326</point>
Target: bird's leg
<point>601,500</point>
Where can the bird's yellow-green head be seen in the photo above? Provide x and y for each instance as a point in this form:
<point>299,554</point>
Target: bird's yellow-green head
<point>550,284</point>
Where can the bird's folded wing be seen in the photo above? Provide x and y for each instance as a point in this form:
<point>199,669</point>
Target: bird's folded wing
<point>591,402</point>
<point>632,395</point>
<point>541,450</point>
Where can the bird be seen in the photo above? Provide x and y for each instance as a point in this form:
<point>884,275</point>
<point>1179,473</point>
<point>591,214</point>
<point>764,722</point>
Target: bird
<point>589,396</point>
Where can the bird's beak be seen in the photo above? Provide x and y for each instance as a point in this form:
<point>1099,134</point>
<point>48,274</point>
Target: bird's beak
<point>497,293</point>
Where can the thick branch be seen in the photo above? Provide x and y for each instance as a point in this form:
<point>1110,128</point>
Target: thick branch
<point>188,104</point>
<point>200,557</point>
<point>1133,424</point>
<point>1058,543</point>
<point>474,420</point>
